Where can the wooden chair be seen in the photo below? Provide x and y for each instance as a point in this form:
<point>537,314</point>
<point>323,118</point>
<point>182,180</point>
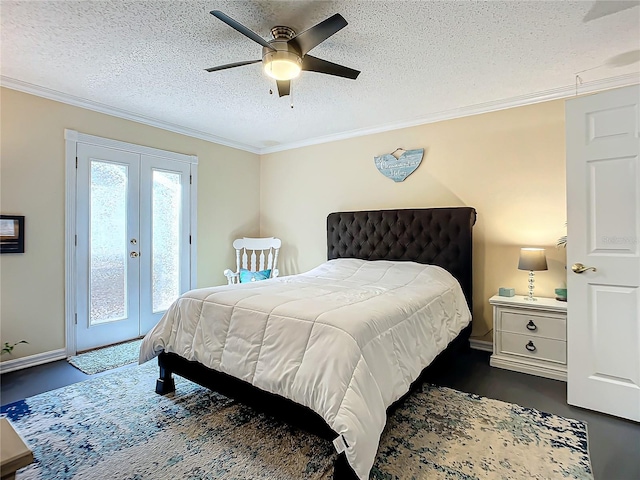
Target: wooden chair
<point>254,254</point>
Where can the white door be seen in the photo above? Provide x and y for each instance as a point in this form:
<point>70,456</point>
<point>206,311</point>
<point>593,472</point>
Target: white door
<point>603,225</point>
<point>108,221</point>
<point>164,236</point>
<point>133,244</point>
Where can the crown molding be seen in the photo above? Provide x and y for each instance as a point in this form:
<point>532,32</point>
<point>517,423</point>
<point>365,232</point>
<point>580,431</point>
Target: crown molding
<point>50,94</point>
<point>519,101</point>
<point>493,106</point>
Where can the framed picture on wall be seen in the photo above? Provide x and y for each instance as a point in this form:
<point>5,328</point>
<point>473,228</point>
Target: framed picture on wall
<point>11,234</point>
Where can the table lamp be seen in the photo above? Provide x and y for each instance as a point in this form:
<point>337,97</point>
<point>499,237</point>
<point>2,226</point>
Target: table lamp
<point>534,260</point>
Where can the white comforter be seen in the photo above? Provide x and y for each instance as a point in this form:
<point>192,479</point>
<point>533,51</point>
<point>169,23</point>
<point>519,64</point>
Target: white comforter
<point>346,339</point>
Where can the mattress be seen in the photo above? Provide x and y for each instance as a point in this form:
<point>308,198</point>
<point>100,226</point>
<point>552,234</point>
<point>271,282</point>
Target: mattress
<point>345,339</point>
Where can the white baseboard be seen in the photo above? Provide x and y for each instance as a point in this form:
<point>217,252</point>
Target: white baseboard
<point>484,345</point>
<point>32,360</point>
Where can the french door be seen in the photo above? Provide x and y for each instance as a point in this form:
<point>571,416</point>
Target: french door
<point>133,242</point>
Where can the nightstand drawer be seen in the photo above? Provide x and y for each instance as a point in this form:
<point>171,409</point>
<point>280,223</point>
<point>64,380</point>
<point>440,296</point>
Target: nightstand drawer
<point>533,347</point>
<point>534,325</point>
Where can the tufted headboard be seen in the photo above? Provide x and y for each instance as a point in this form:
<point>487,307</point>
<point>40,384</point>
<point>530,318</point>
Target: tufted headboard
<point>436,236</point>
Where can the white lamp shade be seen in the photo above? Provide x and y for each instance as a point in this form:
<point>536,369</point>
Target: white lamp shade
<point>532,259</point>
<point>282,65</point>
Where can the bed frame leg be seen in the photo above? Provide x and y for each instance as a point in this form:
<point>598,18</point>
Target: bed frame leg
<point>342,470</point>
<point>165,384</point>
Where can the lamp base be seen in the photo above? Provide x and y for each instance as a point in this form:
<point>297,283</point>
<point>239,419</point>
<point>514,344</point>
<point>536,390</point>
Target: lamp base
<point>532,281</point>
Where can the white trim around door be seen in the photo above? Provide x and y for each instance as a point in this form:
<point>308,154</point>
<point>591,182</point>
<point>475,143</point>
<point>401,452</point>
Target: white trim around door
<point>72,138</point>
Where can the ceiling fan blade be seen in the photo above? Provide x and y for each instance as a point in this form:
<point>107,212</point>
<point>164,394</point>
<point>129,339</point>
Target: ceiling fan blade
<point>284,87</point>
<point>602,8</point>
<point>231,65</point>
<point>319,33</point>
<point>313,64</point>
<point>241,28</point>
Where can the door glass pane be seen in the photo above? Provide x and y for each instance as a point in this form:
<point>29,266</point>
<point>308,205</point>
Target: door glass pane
<point>166,198</point>
<point>108,283</point>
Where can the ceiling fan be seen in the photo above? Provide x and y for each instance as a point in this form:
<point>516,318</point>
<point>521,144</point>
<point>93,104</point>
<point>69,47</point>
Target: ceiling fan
<point>286,55</point>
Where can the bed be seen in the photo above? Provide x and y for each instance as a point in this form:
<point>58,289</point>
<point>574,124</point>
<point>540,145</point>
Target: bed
<point>331,350</point>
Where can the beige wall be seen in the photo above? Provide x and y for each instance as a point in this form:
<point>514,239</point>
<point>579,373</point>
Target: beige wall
<point>33,184</point>
<point>509,165</point>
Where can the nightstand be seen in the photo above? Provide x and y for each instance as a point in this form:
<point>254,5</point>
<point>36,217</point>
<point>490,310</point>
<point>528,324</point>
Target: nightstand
<point>530,337</point>
<point>14,454</point>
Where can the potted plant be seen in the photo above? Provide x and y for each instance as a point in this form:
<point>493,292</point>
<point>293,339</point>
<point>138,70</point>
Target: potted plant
<point>8,347</point>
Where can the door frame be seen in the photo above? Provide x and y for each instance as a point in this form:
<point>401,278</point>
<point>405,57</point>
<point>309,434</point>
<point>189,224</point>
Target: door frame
<point>72,138</point>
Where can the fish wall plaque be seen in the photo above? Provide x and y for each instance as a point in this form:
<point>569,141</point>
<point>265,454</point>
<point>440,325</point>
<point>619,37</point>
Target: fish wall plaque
<point>399,168</point>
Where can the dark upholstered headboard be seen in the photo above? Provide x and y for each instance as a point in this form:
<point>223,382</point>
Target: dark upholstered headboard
<point>436,236</point>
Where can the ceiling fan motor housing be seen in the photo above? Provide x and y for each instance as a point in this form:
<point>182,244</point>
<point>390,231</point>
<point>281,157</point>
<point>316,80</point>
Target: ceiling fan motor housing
<point>283,33</point>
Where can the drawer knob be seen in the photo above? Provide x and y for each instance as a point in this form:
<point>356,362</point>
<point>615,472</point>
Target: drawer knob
<point>531,326</point>
<point>530,346</point>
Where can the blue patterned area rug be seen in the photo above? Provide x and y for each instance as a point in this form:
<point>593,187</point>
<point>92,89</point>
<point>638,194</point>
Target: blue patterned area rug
<point>116,427</point>
<point>107,358</point>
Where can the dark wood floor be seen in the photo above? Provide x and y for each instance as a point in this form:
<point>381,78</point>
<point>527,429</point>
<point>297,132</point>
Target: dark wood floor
<point>614,444</point>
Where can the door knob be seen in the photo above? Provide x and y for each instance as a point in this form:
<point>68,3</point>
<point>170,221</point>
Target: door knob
<point>134,254</point>
<point>580,268</point>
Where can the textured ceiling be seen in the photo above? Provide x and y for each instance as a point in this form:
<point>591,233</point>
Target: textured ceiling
<point>416,58</point>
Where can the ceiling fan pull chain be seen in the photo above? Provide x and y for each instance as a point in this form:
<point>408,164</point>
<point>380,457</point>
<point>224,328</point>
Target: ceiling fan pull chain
<point>291,97</point>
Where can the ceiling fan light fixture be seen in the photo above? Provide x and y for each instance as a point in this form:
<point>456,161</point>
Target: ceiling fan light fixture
<point>282,57</point>
<point>282,65</point>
